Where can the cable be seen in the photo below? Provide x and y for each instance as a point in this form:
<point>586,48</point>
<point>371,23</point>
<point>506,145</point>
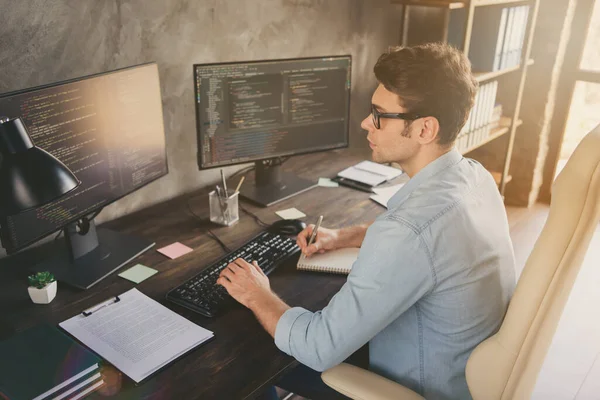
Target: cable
<point>271,162</point>
<point>241,171</point>
<point>209,232</point>
<point>254,216</point>
<point>215,237</point>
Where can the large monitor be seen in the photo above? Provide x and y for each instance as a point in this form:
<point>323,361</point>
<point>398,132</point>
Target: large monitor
<point>108,129</point>
<point>263,111</point>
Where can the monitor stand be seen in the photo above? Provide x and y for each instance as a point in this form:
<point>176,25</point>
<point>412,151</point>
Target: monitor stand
<point>272,185</point>
<point>91,254</point>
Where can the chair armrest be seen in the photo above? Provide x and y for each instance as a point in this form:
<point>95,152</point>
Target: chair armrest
<point>358,383</point>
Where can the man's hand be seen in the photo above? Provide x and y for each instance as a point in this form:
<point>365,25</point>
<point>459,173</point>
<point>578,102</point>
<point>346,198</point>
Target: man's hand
<point>327,239</point>
<point>249,285</point>
<point>245,282</point>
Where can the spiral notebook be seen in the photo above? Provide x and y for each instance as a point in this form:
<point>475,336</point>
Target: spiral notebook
<point>335,261</point>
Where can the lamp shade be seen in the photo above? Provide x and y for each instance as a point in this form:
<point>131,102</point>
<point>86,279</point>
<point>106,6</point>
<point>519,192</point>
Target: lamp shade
<point>29,176</point>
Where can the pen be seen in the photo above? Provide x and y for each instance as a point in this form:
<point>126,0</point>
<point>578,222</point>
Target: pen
<point>224,183</point>
<point>237,189</point>
<point>221,203</point>
<point>314,232</point>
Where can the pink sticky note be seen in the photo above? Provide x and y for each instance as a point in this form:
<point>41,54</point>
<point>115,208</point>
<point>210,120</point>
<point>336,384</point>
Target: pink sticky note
<point>174,250</point>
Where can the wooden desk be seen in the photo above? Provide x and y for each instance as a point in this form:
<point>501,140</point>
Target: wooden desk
<point>242,359</point>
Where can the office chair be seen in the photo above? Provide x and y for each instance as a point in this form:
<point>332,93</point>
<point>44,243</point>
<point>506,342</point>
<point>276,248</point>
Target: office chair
<point>506,365</point>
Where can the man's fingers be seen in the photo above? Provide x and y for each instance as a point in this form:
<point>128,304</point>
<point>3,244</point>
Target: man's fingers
<point>313,248</point>
<point>224,282</point>
<point>301,239</point>
<point>302,236</point>
<point>227,273</point>
<point>255,265</point>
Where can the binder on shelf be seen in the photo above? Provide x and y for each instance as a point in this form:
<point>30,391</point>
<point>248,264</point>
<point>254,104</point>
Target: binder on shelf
<point>522,32</point>
<point>500,39</point>
<point>507,38</point>
<point>488,27</point>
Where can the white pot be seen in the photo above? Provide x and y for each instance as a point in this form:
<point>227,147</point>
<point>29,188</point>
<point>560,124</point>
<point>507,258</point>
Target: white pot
<point>44,295</point>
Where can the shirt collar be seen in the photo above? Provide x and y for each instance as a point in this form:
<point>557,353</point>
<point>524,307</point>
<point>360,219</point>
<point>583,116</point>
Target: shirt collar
<point>433,168</point>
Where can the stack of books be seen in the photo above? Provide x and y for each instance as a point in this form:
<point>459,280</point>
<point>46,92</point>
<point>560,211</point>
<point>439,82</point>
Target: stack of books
<point>482,119</point>
<point>44,363</point>
<point>498,34</point>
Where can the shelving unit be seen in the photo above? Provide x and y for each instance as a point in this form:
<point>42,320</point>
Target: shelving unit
<point>511,81</point>
<point>502,129</point>
<point>487,76</point>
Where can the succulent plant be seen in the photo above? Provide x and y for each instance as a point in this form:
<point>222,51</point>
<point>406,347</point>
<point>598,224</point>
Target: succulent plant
<point>41,279</point>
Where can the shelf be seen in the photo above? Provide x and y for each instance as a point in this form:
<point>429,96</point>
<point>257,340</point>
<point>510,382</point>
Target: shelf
<point>452,5</point>
<point>498,177</point>
<point>502,129</point>
<point>486,76</point>
<point>480,3</point>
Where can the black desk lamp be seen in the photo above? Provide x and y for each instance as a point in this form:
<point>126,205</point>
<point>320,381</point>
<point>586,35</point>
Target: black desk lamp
<point>29,176</point>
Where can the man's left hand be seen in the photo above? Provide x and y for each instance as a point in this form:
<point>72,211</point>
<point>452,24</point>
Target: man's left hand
<point>245,282</point>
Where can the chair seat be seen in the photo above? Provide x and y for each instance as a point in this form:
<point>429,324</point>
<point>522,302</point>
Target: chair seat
<point>358,383</point>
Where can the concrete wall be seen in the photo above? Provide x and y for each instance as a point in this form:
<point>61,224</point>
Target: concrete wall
<point>46,41</point>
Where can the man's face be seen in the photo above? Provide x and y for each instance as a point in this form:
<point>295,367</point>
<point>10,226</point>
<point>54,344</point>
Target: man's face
<point>393,141</point>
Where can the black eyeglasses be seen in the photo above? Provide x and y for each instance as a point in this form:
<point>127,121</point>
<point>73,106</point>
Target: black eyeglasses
<point>378,115</point>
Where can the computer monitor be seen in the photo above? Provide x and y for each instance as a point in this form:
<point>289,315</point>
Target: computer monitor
<point>108,129</point>
<point>263,111</point>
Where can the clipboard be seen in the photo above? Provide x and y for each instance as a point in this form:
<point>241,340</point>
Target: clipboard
<point>148,338</point>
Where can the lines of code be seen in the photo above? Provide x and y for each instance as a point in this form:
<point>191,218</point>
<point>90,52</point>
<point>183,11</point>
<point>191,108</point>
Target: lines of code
<point>253,111</point>
<point>107,129</point>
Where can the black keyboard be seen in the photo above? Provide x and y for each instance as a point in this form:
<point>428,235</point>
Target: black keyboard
<point>201,292</point>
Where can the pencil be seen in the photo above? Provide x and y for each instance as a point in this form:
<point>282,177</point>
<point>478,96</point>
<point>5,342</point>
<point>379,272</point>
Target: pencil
<point>237,189</point>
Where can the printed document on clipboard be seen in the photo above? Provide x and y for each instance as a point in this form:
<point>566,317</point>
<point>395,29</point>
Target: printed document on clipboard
<point>136,334</point>
<point>370,173</point>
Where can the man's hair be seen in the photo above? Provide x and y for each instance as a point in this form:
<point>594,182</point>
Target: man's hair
<point>432,79</point>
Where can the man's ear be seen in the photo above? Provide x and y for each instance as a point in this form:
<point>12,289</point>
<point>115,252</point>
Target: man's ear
<point>430,129</point>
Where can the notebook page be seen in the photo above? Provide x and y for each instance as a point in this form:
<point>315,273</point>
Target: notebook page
<point>370,166</point>
<point>137,334</point>
<point>335,260</point>
<point>383,195</point>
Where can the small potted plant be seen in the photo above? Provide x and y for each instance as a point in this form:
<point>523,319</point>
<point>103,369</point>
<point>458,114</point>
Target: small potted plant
<point>42,287</point>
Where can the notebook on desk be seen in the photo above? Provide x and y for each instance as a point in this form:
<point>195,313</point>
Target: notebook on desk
<point>370,173</point>
<point>335,261</point>
<point>136,334</point>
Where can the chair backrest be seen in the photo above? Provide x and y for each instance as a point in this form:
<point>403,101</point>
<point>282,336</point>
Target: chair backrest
<point>506,365</point>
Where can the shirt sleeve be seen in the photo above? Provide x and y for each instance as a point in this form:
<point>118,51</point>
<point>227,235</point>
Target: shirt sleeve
<point>392,272</point>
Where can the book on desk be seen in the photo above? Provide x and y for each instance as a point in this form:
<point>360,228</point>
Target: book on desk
<point>366,175</point>
<point>44,363</point>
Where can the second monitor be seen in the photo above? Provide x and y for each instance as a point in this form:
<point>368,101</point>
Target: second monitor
<point>263,110</point>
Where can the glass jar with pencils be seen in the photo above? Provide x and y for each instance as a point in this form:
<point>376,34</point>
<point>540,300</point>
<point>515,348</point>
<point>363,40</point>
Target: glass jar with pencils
<point>224,208</point>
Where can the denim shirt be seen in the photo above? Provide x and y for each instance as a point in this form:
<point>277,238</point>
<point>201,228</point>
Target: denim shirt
<point>432,280</point>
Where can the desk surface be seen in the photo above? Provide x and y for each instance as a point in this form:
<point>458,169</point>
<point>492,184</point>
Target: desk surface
<point>242,359</point>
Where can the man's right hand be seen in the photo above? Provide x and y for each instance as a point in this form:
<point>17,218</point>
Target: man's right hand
<point>327,239</point>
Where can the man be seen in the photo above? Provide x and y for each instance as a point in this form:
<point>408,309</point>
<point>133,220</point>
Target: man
<point>436,271</point>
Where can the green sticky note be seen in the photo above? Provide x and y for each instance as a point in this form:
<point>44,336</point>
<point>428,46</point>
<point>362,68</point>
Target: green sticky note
<point>138,273</point>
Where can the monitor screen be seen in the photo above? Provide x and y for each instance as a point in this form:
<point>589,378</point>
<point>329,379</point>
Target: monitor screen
<point>251,111</point>
<point>107,128</point>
